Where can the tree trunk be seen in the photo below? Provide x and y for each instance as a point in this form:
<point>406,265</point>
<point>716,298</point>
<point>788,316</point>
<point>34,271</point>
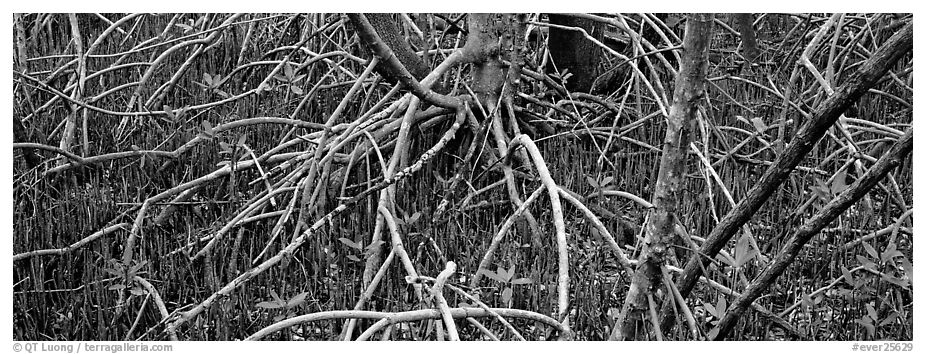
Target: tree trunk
<point>388,31</point>
<point>743,23</point>
<point>571,51</point>
<point>689,90</point>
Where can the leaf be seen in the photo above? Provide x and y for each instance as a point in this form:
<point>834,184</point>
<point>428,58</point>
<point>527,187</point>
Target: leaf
<point>137,291</point>
<point>889,319</point>
<point>890,252</point>
<point>907,267</point>
<point>806,302</point>
<point>296,89</point>
<point>711,310</point>
<point>743,252</point>
<point>369,250</point>
<point>721,306</point>
<point>871,250</point>
<point>847,274</point>
<point>522,281</point>
<point>114,271</point>
<point>170,113</point>
<point>903,283</point>
<point>241,139</point>
<point>507,294</point>
<point>502,274</point>
<point>872,313</point>
<point>297,300</point>
<point>134,269</point>
<point>288,71</point>
<point>510,273</point>
<point>350,243</point>
<point>276,297</point>
<point>207,128</point>
<point>493,275</point>
<point>353,258</point>
<point>207,79</point>
<point>759,124</point>
<point>839,183</point>
<point>867,324</point>
<point>607,180</point>
<point>821,191</point>
<point>591,181</point>
<point>867,263</point>
<point>116,287</point>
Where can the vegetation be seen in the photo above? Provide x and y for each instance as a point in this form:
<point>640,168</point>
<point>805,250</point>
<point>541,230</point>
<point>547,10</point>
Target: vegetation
<point>462,176</point>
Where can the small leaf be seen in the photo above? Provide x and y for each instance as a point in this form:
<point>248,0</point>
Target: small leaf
<point>711,310</point>
<point>207,128</point>
<point>276,297</point>
<point>207,79</point>
<point>137,291</point>
<point>297,300</point>
<point>503,274</point>
<point>806,302</point>
<point>721,306</point>
<point>507,294</point>
<point>839,182</point>
<point>522,281</point>
<point>170,113</point>
<point>591,181</point>
<point>867,324</point>
<point>759,124</point>
<point>848,275</point>
<point>116,287</point>
<point>492,275</point>
<point>607,180</point>
<point>867,263</point>
<point>350,243</point>
<point>890,252</point>
<point>510,273</point>
<point>242,139</point>
<point>296,90</point>
<point>353,258</point>
<point>288,71</point>
<point>870,250</point>
<point>872,313</point>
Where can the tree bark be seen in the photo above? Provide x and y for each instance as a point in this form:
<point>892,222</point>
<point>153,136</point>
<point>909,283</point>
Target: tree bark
<point>811,132</point>
<point>743,23</point>
<point>389,33</point>
<point>689,91</point>
<point>831,211</point>
<point>571,51</point>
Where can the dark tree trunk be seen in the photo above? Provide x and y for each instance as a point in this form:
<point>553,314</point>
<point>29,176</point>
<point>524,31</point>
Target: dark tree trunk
<point>572,51</point>
<point>743,23</point>
<point>388,31</point>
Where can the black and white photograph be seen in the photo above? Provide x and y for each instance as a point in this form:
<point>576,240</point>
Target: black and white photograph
<point>473,176</point>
